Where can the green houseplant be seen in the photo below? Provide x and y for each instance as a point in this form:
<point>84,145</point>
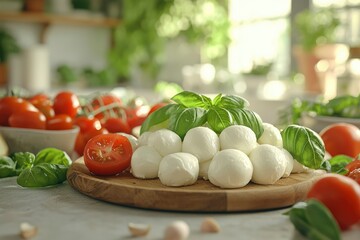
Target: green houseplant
<point>146,26</point>
<point>8,46</point>
<point>316,31</point>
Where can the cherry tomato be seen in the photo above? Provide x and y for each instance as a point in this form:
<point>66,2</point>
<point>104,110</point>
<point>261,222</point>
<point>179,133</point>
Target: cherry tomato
<point>66,103</point>
<point>341,138</point>
<point>28,119</point>
<point>59,122</point>
<point>106,100</point>
<point>157,106</point>
<point>136,116</point>
<point>11,104</point>
<point>44,106</point>
<point>355,174</point>
<point>83,137</point>
<point>39,97</point>
<point>353,165</point>
<point>87,123</point>
<point>114,125</point>
<point>107,154</point>
<point>341,195</point>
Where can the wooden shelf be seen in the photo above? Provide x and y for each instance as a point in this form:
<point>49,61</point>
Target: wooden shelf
<point>50,19</point>
<point>46,20</point>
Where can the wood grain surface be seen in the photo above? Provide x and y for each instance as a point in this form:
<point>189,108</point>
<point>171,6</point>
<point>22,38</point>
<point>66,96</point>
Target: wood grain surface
<point>127,190</point>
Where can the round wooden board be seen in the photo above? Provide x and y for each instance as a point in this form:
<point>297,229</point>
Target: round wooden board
<point>127,190</point>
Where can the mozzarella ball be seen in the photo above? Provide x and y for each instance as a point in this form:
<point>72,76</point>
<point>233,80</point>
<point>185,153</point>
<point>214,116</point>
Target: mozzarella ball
<point>143,139</point>
<point>178,169</point>
<point>230,168</point>
<point>132,139</point>
<point>165,141</point>
<point>298,167</point>
<point>202,142</point>
<point>271,135</point>
<point>145,162</point>
<point>203,170</point>
<point>289,162</point>
<point>269,164</point>
<point>238,137</point>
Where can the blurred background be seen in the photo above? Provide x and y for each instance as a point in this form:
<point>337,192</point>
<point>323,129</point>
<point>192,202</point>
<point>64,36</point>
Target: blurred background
<point>272,50</point>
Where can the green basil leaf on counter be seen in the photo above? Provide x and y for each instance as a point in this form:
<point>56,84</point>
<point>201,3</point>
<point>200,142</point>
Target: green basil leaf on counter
<point>7,167</point>
<point>43,175</point>
<point>337,164</point>
<point>219,118</point>
<point>184,119</point>
<point>338,104</point>
<point>305,145</point>
<point>190,99</point>
<point>249,119</point>
<point>230,102</point>
<point>159,117</point>
<point>313,220</point>
<point>53,156</point>
<point>23,160</point>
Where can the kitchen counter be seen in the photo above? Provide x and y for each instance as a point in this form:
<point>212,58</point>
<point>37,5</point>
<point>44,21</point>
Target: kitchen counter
<point>61,212</point>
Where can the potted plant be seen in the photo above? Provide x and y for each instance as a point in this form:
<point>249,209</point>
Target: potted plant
<point>8,46</point>
<point>316,33</point>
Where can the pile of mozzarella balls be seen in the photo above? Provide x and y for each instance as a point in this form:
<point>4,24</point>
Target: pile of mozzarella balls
<point>229,160</point>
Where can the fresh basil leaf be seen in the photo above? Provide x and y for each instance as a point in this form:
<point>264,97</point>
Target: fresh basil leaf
<point>190,99</point>
<point>338,104</point>
<point>248,118</point>
<point>184,119</point>
<point>314,221</point>
<point>23,160</point>
<point>43,175</point>
<point>231,101</point>
<point>159,116</point>
<point>337,164</point>
<point>216,99</point>
<point>320,218</point>
<point>351,111</point>
<point>304,144</point>
<point>7,167</point>
<point>52,155</point>
<point>219,118</point>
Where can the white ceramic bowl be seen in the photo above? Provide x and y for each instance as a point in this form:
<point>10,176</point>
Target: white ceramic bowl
<point>33,140</point>
<point>317,123</point>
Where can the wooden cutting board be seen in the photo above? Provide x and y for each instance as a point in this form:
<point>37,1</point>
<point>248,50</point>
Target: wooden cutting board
<point>127,190</point>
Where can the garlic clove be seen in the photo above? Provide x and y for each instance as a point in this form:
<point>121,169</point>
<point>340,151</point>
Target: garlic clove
<point>138,229</point>
<point>27,230</point>
<point>178,230</point>
<point>210,225</point>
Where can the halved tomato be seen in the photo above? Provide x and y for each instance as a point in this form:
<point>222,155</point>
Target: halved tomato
<point>107,154</point>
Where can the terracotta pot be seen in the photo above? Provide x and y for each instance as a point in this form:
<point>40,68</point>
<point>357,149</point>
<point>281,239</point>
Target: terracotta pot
<point>3,74</point>
<point>306,64</point>
<point>35,5</point>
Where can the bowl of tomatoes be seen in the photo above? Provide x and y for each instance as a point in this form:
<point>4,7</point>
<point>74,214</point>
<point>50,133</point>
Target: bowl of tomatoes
<point>33,123</point>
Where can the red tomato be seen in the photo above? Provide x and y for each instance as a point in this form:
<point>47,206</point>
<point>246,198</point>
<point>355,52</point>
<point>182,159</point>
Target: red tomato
<point>59,122</point>
<point>107,154</point>
<point>353,165</point>
<point>66,103</point>
<point>341,138</point>
<point>11,104</point>
<point>83,137</point>
<point>355,174</point>
<point>44,106</point>
<point>106,100</point>
<point>114,125</point>
<point>28,119</point>
<point>87,124</point>
<point>136,116</point>
<point>157,106</point>
<point>39,97</point>
<point>341,195</point>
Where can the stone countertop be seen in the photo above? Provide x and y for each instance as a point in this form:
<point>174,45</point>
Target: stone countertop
<point>61,212</point>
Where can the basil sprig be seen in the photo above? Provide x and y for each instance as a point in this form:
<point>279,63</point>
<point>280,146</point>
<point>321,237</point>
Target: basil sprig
<point>192,110</point>
<point>305,145</point>
<point>48,167</point>
<point>313,220</point>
